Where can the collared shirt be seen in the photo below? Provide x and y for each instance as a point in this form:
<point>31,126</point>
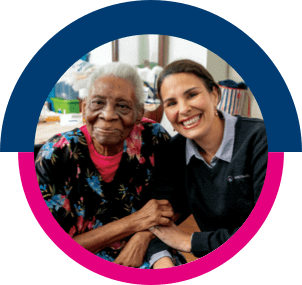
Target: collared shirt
<point>225,150</point>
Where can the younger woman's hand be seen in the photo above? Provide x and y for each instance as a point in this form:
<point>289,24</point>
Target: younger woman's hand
<point>174,237</point>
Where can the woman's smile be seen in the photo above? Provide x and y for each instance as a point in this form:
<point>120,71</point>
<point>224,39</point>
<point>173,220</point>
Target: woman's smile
<point>191,122</point>
<point>189,106</point>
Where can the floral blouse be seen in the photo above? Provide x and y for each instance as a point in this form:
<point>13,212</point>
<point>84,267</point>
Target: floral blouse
<point>73,188</point>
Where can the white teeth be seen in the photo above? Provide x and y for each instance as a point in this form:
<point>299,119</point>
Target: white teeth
<point>191,121</point>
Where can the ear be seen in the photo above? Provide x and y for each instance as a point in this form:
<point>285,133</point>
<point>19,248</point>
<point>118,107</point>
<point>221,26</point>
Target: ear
<point>215,96</point>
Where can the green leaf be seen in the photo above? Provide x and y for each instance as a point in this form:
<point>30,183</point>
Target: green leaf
<point>122,189</point>
<point>52,190</point>
<point>53,159</point>
<point>46,196</point>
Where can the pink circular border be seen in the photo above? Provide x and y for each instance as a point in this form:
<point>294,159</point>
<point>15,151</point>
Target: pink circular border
<point>142,276</point>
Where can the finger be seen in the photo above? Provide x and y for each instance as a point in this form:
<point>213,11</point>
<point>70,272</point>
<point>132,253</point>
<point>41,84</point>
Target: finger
<point>166,208</point>
<point>165,222</point>
<point>164,202</point>
<point>167,214</point>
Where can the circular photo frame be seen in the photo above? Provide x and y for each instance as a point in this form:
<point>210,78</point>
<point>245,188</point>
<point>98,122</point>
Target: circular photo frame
<point>68,53</point>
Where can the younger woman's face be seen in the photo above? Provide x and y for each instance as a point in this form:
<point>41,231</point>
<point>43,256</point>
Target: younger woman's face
<point>188,105</point>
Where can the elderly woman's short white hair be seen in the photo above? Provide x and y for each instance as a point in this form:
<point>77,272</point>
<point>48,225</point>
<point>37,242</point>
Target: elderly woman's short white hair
<point>118,69</point>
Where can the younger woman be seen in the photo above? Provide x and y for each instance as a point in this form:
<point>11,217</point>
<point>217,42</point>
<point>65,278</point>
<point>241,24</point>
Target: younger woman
<point>218,161</point>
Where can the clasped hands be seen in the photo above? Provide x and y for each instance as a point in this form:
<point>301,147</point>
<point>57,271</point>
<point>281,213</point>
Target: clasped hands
<point>158,216</point>
<point>154,213</point>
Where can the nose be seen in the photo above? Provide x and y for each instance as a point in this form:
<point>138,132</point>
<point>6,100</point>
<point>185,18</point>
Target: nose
<point>108,113</point>
<point>184,107</point>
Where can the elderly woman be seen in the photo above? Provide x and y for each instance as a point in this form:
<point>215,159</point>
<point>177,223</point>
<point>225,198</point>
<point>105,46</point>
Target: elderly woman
<point>98,180</point>
<point>218,160</point>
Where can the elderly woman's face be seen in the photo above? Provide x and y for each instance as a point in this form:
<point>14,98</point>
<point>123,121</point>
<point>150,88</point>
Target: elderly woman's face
<point>110,112</point>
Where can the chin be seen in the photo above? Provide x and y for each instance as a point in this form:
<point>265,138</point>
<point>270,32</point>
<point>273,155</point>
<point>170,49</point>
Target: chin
<point>191,134</point>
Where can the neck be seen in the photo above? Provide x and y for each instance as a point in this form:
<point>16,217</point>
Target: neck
<point>211,142</point>
<point>107,150</point>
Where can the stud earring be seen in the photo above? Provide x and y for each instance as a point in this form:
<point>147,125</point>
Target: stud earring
<point>215,111</point>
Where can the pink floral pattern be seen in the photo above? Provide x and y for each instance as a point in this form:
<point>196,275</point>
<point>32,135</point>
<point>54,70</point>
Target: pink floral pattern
<point>152,159</point>
<point>72,231</point>
<point>80,200</point>
<point>134,142</point>
<point>142,160</point>
<point>139,189</point>
<point>66,205</point>
<point>62,142</point>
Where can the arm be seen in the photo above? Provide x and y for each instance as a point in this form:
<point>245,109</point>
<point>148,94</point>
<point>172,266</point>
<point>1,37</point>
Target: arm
<point>155,212</point>
<point>259,162</point>
<point>169,177</point>
<point>201,243</point>
<point>134,252</point>
<point>164,262</point>
<point>167,186</point>
<point>174,237</point>
<point>49,169</point>
<point>104,236</point>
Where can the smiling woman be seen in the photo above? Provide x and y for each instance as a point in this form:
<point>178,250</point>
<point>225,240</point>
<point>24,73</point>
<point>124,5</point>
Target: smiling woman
<point>218,161</point>
<point>111,112</point>
<point>191,109</point>
<point>99,180</point>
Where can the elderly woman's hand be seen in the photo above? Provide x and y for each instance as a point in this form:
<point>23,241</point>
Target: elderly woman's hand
<point>134,252</point>
<point>154,213</point>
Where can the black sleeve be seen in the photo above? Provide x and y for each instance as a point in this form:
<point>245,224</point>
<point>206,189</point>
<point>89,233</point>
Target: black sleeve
<point>161,186</point>
<point>259,161</point>
<point>169,185</point>
<point>169,179</point>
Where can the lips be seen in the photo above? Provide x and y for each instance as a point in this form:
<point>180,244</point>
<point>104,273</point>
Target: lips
<point>106,130</point>
<point>191,122</point>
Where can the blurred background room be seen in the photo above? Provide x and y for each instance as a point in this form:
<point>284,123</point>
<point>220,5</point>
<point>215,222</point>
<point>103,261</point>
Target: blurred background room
<point>149,54</point>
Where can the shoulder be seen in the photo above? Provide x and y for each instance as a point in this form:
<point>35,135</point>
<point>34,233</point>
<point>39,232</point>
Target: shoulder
<point>250,125</point>
<point>61,143</point>
<point>74,136</point>
<point>250,132</point>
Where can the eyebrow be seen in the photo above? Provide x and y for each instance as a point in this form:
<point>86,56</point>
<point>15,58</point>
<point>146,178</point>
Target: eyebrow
<point>186,92</point>
<point>97,95</point>
<point>117,99</point>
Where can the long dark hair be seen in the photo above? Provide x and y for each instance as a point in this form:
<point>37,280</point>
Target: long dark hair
<point>188,66</point>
